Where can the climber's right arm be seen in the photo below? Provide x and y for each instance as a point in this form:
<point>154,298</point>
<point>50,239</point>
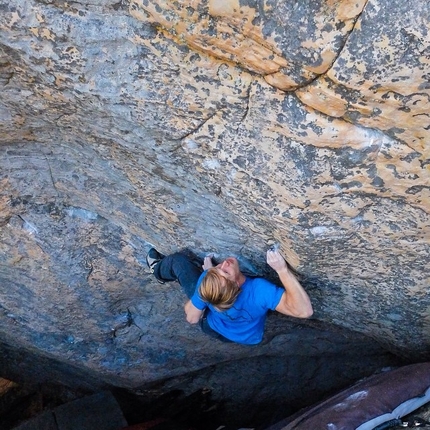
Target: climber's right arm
<point>193,314</point>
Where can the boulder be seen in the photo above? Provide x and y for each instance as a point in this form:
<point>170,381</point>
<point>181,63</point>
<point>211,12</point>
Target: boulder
<point>216,126</point>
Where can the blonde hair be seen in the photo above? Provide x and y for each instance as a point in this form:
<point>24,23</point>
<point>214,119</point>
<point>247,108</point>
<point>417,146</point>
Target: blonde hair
<point>218,291</point>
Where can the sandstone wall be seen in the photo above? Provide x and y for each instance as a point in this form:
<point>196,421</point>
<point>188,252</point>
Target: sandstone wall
<point>221,126</point>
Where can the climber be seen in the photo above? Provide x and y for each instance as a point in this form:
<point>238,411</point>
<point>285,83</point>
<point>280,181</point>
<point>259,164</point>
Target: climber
<point>229,305</point>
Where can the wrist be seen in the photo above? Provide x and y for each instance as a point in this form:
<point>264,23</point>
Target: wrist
<point>283,270</point>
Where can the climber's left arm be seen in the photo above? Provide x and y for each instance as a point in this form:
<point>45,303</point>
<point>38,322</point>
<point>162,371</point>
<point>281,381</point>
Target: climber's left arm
<point>295,301</point>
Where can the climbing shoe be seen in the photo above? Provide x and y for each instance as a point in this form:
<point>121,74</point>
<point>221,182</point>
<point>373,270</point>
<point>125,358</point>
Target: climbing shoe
<point>152,258</point>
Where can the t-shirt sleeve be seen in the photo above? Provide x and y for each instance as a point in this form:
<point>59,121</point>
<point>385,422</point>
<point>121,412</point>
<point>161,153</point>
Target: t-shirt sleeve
<point>269,294</point>
<point>196,299</point>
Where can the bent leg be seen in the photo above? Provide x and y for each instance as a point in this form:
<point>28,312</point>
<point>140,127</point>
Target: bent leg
<point>178,267</point>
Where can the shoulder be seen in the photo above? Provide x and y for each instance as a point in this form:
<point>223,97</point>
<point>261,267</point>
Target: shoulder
<point>258,283</point>
<point>263,292</point>
<point>260,287</point>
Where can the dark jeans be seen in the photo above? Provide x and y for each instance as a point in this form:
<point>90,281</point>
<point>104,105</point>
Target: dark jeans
<point>179,267</point>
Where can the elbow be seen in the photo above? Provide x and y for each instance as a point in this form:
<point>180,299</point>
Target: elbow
<point>306,313</point>
<point>192,320</point>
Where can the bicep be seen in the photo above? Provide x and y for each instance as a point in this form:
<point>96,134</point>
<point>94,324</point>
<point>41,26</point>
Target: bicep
<point>282,307</point>
<point>292,309</point>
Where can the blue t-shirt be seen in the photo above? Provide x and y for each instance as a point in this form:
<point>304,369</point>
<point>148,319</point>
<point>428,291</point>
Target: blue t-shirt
<point>244,321</point>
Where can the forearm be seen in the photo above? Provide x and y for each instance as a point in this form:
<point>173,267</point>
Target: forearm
<point>193,314</point>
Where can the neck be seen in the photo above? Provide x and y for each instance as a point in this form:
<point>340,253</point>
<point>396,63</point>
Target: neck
<point>240,280</point>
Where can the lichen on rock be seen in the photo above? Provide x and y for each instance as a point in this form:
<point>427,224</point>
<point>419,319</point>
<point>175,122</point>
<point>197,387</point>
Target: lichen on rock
<point>224,127</point>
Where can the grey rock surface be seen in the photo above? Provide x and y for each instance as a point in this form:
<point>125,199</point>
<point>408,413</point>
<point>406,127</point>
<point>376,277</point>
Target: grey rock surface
<point>98,411</point>
<point>45,421</point>
<point>120,131</point>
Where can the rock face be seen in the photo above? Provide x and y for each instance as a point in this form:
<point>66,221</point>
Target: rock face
<point>220,126</point>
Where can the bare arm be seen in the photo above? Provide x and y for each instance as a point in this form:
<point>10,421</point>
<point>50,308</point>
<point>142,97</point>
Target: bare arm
<point>193,314</point>
<point>294,302</point>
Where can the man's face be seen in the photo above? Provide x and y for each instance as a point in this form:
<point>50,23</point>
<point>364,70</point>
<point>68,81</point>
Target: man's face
<point>229,269</point>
